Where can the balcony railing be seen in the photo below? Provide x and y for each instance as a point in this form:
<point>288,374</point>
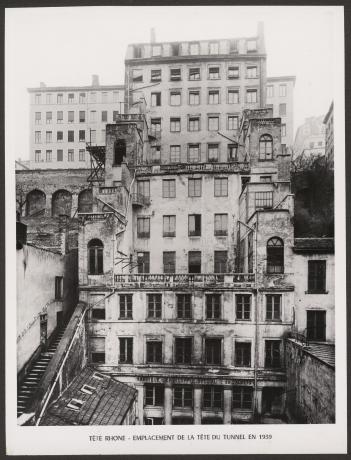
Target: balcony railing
<point>108,190</point>
<point>94,216</point>
<point>233,167</point>
<point>140,200</point>
<point>185,280</point>
<point>128,117</point>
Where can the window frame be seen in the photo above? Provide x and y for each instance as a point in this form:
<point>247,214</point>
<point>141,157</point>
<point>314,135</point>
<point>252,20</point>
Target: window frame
<point>218,229</point>
<point>154,306</point>
<point>274,307</point>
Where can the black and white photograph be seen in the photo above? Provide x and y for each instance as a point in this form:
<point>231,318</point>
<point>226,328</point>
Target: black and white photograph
<point>178,195</point>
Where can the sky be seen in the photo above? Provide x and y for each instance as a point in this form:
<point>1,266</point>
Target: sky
<point>66,46</point>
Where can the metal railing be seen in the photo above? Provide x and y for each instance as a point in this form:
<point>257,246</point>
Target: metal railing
<point>148,168</point>
<point>139,199</point>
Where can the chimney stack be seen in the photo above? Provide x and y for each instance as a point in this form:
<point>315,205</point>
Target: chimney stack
<point>152,35</point>
<point>95,80</point>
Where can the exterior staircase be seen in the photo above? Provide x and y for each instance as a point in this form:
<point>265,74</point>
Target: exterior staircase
<point>27,389</point>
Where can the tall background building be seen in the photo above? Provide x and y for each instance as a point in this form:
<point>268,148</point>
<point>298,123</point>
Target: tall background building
<point>310,138</point>
<point>63,119</point>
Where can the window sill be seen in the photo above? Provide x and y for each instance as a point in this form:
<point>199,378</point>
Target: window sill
<point>216,320</point>
<point>125,319</point>
<point>274,321</point>
<point>316,292</point>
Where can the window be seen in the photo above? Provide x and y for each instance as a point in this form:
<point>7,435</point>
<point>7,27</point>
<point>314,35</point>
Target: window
<point>115,96</point>
<point>155,125</point>
<point>213,306</point>
<point>251,96</point>
<point>154,394</point>
<point>137,75</point>
<point>93,136</point>
<point>125,306</point>
<point>213,123</point>
<point>37,156</point>
<point>213,73</point>
<point>265,179</point>
<point>220,186</point>
<point>194,224</point>
<point>60,155</point>
<point>194,123</point>
<point>71,98</point>
<point>176,75</point>
<point>48,136</point>
<point>263,200</point>
<point>193,155</point>
<point>194,48</point>
<point>155,99</point>
<point>212,152</point>
<point>272,353</point>
<point>156,50</point>
<point>242,354</point>
<point>154,305</point>
<point>275,255</point>
<point>155,154</point>
<point>49,155</point>
<point>81,116</point>
<point>59,136</point>
<point>221,224</point>
<point>194,97</point>
<point>97,347</point>
<point>38,98</point>
<point>81,155</point>
<point>169,261</point>
<point>232,152</point>
<point>156,75</point>
<point>233,122</point>
<point>81,135</point>
<point>266,147</point>
<point>98,311</point>
<point>194,187</point>
<point>70,116</point>
<point>37,137</point>
<point>243,306</point>
<point>194,73</point>
<point>49,98</point>
<point>93,116</point>
<point>213,351</point>
<point>233,46</point>
<point>104,115</point>
<point>214,48</point>
<point>316,276</point>
<point>233,72</point>
<point>194,261</point>
<point>125,350</point>
<point>175,49</point>
<point>183,349</point>
<point>169,225</point>
<point>220,261</point>
<point>75,404</point>
<point>70,136</point>
<point>82,98</point>
<point>115,114</point>
<point>60,117</point>
<point>70,155</point>
<point>175,97</point>
<point>138,51</point>
<point>283,130</point>
<point>175,153</point>
<point>282,109</point>
<point>233,96</point>
<point>143,227</point>
<point>245,180</point>
<point>119,151</point>
<point>282,90</point>
<point>88,389</point>
<point>270,91</point>
<point>242,397</point>
<point>184,306</point>
<point>143,261</point>
<point>37,118</point>
<point>213,97</point>
<point>183,396</point>
<point>48,118</point>
<point>251,45</point>
<point>273,307</point>
<point>96,254</point>
<point>154,352</point>
<point>316,325</point>
<point>175,125</point>
<point>58,287</point>
<point>213,397</point>
<point>250,252</point>
<point>251,72</point>
<point>143,188</point>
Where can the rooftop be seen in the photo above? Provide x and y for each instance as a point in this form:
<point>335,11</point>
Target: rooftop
<point>75,88</point>
<point>103,401</point>
<point>314,245</point>
<point>324,352</point>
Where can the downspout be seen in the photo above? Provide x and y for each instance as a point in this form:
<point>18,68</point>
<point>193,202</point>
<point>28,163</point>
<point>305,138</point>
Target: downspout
<point>256,320</point>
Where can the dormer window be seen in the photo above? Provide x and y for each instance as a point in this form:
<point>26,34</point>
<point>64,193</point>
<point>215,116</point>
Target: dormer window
<point>75,404</point>
<point>251,45</point>
<point>175,49</point>
<point>214,48</point>
<point>156,50</point>
<point>137,51</point>
<point>194,48</point>
<point>87,389</point>
<point>233,46</point>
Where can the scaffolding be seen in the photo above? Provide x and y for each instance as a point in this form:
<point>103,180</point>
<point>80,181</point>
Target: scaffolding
<point>97,163</point>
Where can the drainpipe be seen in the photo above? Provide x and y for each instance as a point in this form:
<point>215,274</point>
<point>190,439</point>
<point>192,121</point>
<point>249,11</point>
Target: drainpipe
<point>256,323</point>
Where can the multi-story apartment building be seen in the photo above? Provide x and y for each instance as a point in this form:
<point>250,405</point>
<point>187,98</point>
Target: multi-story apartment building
<point>63,119</point>
<point>280,97</point>
<point>329,134</point>
<point>310,138</point>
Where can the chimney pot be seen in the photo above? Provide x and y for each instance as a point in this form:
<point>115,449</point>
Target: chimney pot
<point>95,80</point>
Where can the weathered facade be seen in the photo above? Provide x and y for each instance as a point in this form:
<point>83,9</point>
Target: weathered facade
<point>329,135</point>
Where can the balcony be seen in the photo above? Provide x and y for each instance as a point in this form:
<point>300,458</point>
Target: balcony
<point>129,117</point>
<point>94,216</point>
<point>185,280</point>
<point>140,200</point>
<point>181,168</point>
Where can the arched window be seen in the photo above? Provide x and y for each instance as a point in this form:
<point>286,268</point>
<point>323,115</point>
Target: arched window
<point>61,203</point>
<point>275,255</point>
<point>96,257</point>
<point>120,151</point>
<point>35,202</point>
<point>85,201</point>
<point>266,147</point>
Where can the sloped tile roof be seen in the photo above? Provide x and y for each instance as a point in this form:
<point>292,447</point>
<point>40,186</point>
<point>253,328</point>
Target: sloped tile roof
<point>107,405</point>
<point>323,351</point>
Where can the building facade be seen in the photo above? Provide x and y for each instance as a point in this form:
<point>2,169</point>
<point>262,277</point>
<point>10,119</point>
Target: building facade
<point>329,135</point>
<point>280,97</point>
<point>310,138</point>
<point>63,119</point>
